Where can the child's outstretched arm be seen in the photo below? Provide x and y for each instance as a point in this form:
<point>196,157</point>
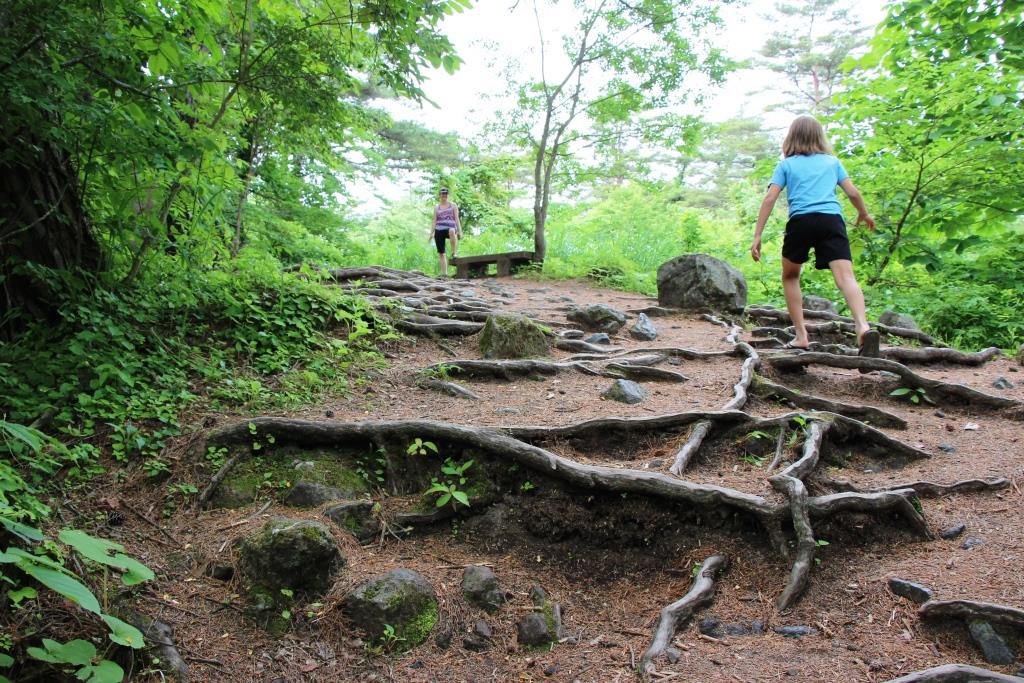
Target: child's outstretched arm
<point>858,203</point>
<point>762,217</point>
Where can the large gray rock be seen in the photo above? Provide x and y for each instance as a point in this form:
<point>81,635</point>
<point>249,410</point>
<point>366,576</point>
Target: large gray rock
<point>818,303</point>
<point>625,391</point>
<point>894,319</point>
<point>698,282</point>
<point>992,646</point>
<point>533,630</point>
<point>512,336</point>
<point>643,329</point>
<point>597,318</point>
<point>401,598</point>
<point>480,586</point>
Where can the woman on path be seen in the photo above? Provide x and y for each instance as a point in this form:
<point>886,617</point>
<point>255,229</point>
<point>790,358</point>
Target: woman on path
<point>809,174</point>
<point>446,225</point>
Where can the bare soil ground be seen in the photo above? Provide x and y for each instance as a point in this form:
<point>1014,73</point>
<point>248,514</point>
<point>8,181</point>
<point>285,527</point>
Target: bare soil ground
<point>614,561</point>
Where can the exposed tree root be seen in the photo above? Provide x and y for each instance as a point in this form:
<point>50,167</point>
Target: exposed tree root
<point>768,389</point>
<point>935,388</point>
<point>429,325</point>
<point>450,388</point>
<point>969,610</point>
<point>789,482</point>
<point>750,366</point>
<point>900,501</point>
<point>903,354</point>
<point>835,324</point>
<point>956,673</point>
<point>668,351</point>
<point>690,447</point>
<point>924,488</point>
<point>509,369</point>
<point>654,311</point>
<point>578,345</point>
<point>733,336</point>
<point>700,594</point>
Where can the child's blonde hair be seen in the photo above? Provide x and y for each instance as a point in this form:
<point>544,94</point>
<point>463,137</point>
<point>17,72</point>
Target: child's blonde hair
<point>805,136</point>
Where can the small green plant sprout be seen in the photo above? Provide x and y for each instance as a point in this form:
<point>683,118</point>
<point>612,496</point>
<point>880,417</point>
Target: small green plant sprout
<point>913,394</point>
<point>755,460</point>
<point>256,444</point>
<point>694,570</point>
<point>441,371</point>
<point>81,654</point>
<point>389,641</point>
<point>453,469</point>
<point>526,486</point>
<point>420,447</point>
<point>455,476</point>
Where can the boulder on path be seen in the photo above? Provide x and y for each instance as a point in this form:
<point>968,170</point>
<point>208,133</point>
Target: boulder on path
<point>512,336</point>
<point>597,318</point>
<point>698,282</point>
<point>309,494</point>
<point>285,560</point>
<point>625,391</point>
<point>643,329</point>
<point>480,587</point>
<point>295,554</point>
<point>818,303</point>
<point>911,590</point>
<point>894,319</point>
<point>401,599</point>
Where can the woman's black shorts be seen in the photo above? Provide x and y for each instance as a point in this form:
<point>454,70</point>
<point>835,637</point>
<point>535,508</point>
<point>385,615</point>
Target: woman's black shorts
<point>824,232</point>
<point>440,235</point>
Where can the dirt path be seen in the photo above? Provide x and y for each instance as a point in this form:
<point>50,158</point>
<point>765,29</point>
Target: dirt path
<point>613,561</point>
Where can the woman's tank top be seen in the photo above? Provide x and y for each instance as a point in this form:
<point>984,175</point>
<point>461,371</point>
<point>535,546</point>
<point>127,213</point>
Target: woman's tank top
<point>445,217</point>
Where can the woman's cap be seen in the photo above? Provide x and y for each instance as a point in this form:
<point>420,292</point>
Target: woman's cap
<point>444,190</point>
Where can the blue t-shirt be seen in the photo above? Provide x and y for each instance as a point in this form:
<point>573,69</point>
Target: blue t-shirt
<point>810,183</point>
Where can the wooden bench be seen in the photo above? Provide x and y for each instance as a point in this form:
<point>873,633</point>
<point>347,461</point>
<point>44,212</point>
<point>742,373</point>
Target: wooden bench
<point>476,266</point>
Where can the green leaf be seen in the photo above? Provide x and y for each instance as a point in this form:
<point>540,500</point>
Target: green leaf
<point>461,497</point>
<point>22,531</point>
<point>122,633</point>
<point>99,549</point>
<point>64,584</point>
<point>105,671</point>
<point>902,391</point>
<point>77,652</point>
<point>6,660</point>
<point>443,500</point>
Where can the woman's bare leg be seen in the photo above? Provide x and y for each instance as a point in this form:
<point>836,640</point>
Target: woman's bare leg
<point>842,272</point>
<point>794,300</point>
<point>442,264</point>
<point>455,240</point>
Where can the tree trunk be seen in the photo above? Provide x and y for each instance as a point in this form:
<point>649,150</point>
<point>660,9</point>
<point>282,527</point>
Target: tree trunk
<point>43,223</point>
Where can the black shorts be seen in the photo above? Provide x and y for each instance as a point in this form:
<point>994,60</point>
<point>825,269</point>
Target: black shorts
<point>823,232</point>
<point>440,235</point>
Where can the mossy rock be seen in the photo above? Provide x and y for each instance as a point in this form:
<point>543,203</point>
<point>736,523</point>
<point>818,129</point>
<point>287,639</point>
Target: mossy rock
<point>286,560</point>
<point>355,516</point>
<point>276,473</point>
<point>513,336</point>
<point>401,599</point>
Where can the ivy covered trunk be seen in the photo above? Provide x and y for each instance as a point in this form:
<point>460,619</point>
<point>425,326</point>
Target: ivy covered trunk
<point>43,223</point>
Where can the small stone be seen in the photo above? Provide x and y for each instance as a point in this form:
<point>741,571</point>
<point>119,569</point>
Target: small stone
<point>757,627</point>
<point>598,338</point>
<point>893,319</point>
<point>643,329</point>
<point>657,463</point>
<point>818,303</point>
<point>972,542</point>
<point>673,655</point>
<point>992,646</point>
<point>480,587</point>
<point>794,631</point>
<point>467,292</point>
<point>475,643</point>
<point>1002,383</point>
<point>951,532</point>
<point>625,391</point>
<point>308,494</point>
<point>939,413</point>
<point>533,629</point>
<point>947,448</point>
<point>792,672</point>
<point>538,596</point>
<point>710,626</point>
<point>910,590</point>
<point>482,629</point>
<point>444,639</point>
<point>971,427</point>
<point>551,670</point>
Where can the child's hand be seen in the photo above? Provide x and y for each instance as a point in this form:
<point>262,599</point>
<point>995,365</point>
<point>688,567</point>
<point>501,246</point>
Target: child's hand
<point>867,220</point>
<point>755,249</point>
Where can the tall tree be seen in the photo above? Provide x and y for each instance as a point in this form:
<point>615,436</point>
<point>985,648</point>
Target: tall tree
<point>621,67</point>
<point>934,128</point>
<point>818,37</point>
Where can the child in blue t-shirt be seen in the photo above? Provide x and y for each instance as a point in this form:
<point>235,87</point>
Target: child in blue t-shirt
<point>809,174</point>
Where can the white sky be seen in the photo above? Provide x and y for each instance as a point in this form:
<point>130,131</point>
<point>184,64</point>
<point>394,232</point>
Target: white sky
<point>489,37</point>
